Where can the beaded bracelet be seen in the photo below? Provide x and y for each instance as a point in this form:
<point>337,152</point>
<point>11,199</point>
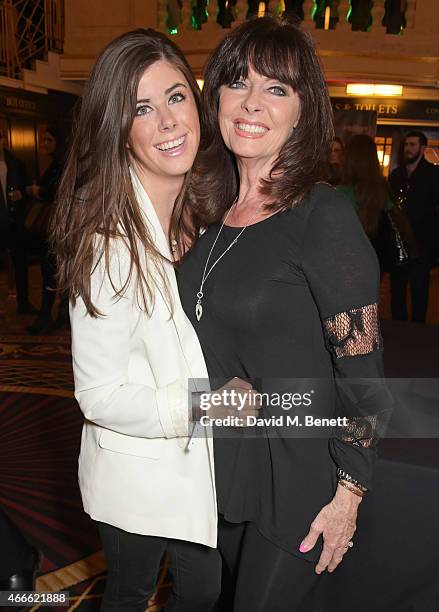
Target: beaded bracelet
<point>341,474</point>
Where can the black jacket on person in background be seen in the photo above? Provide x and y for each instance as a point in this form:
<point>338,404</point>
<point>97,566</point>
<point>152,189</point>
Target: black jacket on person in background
<point>49,181</point>
<point>421,192</point>
<point>17,178</point>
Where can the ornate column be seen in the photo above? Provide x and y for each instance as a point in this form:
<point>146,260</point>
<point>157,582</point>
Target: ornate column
<point>170,15</point>
<point>308,10</point>
<point>410,13</point>
<point>378,15</point>
<point>343,9</point>
<point>241,10</point>
<point>199,13</point>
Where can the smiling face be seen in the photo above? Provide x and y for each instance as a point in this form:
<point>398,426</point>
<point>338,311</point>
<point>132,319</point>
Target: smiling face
<point>256,116</point>
<point>165,134</point>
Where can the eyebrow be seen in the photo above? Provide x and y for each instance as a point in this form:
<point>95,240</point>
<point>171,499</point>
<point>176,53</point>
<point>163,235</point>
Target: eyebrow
<point>167,91</point>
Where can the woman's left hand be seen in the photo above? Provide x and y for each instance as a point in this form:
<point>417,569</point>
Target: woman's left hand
<point>336,522</point>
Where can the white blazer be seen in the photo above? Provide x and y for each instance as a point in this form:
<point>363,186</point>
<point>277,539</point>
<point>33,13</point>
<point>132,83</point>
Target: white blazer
<point>132,373</point>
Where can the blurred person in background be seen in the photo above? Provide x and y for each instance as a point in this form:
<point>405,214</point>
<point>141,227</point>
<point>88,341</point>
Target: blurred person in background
<point>13,180</point>
<point>368,191</point>
<point>43,193</point>
<point>365,187</point>
<point>336,159</point>
<point>415,185</point>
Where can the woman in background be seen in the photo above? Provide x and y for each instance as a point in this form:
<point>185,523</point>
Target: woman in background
<point>336,159</point>
<point>369,193</point>
<point>44,191</point>
<point>364,185</point>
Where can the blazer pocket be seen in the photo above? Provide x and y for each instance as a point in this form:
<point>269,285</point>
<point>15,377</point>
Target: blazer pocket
<point>150,448</point>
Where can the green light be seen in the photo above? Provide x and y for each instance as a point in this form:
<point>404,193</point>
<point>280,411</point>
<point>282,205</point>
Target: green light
<point>173,31</point>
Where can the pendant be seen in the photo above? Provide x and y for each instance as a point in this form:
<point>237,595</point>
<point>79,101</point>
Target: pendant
<point>198,311</point>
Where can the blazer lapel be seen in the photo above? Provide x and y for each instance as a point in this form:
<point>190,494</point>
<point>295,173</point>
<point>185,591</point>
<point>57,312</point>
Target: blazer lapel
<point>151,216</point>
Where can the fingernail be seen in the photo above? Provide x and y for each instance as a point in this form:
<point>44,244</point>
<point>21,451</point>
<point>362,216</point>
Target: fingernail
<point>303,547</point>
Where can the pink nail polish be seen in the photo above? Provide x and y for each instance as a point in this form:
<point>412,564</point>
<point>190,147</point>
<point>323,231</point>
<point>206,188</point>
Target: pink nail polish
<point>303,547</point>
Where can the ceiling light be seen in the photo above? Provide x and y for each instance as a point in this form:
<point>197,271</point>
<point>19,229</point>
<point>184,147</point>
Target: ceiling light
<point>370,89</point>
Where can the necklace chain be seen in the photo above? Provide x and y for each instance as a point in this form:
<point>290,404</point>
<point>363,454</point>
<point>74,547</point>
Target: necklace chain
<point>206,272</point>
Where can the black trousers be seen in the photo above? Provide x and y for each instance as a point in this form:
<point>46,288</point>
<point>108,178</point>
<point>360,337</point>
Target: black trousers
<point>15,550</point>
<point>417,273</point>
<point>133,566</point>
<point>48,288</point>
<point>16,243</point>
<point>260,577</point>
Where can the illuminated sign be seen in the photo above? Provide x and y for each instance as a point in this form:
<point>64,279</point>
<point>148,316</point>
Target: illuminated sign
<point>419,110</point>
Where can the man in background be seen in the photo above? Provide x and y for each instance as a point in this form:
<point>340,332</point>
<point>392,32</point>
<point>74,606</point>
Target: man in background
<point>13,181</point>
<point>415,183</point>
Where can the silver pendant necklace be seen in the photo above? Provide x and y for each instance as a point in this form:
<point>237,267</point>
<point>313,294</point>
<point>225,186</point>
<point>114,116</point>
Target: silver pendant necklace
<point>206,273</point>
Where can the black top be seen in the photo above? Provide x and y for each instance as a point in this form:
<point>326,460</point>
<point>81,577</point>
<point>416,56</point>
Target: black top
<point>420,192</point>
<point>295,298</point>
<point>49,181</point>
<point>12,214</point>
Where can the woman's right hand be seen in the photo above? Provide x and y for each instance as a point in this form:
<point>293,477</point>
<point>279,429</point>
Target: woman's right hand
<point>236,398</point>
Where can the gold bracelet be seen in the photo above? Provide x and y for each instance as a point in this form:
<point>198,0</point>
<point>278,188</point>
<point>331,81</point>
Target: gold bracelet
<point>351,488</point>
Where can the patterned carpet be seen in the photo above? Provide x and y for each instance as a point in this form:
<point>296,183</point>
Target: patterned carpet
<point>40,427</point>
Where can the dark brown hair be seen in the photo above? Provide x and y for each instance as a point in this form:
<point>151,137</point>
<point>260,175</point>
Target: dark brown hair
<point>277,49</point>
<point>419,135</point>
<point>96,197</point>
<point>60,141</point>
<point>362,171</point>
<point>340,142</point>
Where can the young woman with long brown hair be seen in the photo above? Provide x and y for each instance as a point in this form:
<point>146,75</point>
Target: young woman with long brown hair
<point>124,215</point>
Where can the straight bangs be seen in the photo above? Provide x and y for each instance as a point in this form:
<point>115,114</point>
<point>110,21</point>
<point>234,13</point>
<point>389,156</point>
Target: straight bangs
<point>272,57</point>
<point>280,50</point>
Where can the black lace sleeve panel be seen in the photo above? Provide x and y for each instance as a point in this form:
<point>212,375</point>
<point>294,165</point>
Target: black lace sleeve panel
<point>353,332</point>
<point>343,276</point>
<point>353,337</point>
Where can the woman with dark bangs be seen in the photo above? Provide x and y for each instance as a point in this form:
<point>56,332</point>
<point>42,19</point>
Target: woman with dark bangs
<point>282,289</point>
<point>123,217</point>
